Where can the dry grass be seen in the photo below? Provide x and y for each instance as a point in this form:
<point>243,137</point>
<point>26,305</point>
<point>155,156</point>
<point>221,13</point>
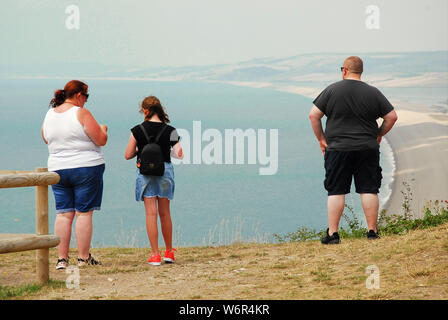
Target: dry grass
<point>412,266</point>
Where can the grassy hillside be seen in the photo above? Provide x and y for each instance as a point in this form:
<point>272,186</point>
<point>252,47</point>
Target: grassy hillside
<point>411,266</point>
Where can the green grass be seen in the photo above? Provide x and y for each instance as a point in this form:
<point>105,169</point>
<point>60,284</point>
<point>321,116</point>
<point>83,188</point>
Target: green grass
<point>29,289</point>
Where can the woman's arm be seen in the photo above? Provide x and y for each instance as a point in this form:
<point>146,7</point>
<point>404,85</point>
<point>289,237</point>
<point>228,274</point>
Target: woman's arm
<point>97,133</point>
<point>177,152</point>
<point>42,134</point>
<point>131,149</point>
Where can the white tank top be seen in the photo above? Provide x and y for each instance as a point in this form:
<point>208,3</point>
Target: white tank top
<point>68,145</point>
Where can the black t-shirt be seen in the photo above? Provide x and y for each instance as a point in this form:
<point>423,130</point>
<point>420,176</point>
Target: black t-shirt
<point>352,108</point>
<point>168,138</point>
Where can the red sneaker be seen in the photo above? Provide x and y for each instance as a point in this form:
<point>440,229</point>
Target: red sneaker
<point>168,257</point>
<point>155,260</point>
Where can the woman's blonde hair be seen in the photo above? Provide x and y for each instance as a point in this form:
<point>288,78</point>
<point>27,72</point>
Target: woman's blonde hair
<point>153,106</point>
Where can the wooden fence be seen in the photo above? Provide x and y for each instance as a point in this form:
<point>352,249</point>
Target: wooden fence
<point>41,241</point>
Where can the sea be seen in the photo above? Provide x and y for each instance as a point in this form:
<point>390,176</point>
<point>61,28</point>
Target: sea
<point>214,204</point>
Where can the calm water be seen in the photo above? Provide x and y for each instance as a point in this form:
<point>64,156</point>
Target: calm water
<point>213,204</point>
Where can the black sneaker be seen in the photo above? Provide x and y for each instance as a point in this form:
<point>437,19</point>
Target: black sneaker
<point>333,239</point>
<point>372,235</point>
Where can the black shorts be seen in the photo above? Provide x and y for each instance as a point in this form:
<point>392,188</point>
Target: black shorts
<point>341,166</point>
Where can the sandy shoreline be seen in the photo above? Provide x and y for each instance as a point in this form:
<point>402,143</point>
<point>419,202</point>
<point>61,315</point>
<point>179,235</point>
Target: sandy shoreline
<point>419,141</point>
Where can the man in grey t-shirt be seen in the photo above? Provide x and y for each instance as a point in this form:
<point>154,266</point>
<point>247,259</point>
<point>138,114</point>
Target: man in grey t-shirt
<point>350,144</point>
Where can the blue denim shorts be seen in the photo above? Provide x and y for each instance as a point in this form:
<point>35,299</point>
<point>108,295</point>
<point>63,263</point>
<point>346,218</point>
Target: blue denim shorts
<point>155,186</point>
<point>79,189</point>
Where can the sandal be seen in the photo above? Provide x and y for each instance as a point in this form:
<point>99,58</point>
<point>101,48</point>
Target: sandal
<point>89,261</point>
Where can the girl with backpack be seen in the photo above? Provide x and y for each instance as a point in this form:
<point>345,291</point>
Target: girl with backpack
<point>154,142</point>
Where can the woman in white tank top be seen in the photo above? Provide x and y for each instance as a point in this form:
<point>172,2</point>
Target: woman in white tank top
<point>74,140</point>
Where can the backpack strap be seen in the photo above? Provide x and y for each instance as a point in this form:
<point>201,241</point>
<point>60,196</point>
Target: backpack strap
<point>145,133</point>
<point>158,135</point>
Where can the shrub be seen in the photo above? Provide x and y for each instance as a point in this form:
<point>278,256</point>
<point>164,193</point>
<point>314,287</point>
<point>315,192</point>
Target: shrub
<point>435,213</point>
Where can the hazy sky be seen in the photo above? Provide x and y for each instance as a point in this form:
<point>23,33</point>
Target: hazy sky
<point>204,32</point>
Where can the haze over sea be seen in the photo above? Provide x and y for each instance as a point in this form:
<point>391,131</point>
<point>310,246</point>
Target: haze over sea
<point>213,204</point>
<point>262,71</point>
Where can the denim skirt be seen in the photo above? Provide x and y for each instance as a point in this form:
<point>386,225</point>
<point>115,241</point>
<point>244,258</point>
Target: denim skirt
<point>155,186</point>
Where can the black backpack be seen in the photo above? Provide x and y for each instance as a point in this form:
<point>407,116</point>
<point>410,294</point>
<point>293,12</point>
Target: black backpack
<point>151,161</point>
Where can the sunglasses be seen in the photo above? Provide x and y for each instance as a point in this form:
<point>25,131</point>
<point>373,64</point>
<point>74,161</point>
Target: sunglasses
<point>342,68</point>
<point>85,95</point>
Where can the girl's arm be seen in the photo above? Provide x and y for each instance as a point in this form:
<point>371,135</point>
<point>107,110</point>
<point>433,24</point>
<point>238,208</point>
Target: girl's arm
<point>131,149</point>
<point>177,152</point>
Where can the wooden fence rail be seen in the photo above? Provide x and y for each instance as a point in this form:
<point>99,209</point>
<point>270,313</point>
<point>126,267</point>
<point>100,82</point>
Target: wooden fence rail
<point>41,241</point>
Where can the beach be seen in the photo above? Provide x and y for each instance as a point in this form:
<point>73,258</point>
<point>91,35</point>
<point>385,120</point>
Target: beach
<point>419,141</point>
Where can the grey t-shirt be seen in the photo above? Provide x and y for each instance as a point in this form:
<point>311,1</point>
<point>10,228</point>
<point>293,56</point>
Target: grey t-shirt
<point>352,108</point>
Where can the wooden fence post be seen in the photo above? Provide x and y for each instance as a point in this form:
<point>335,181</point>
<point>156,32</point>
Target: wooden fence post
<point>42,255</point>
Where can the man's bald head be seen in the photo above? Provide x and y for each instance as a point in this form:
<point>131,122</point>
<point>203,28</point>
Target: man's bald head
<point>354,65</point>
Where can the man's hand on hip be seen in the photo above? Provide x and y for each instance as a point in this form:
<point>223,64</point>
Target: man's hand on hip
<point>323,145</point>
